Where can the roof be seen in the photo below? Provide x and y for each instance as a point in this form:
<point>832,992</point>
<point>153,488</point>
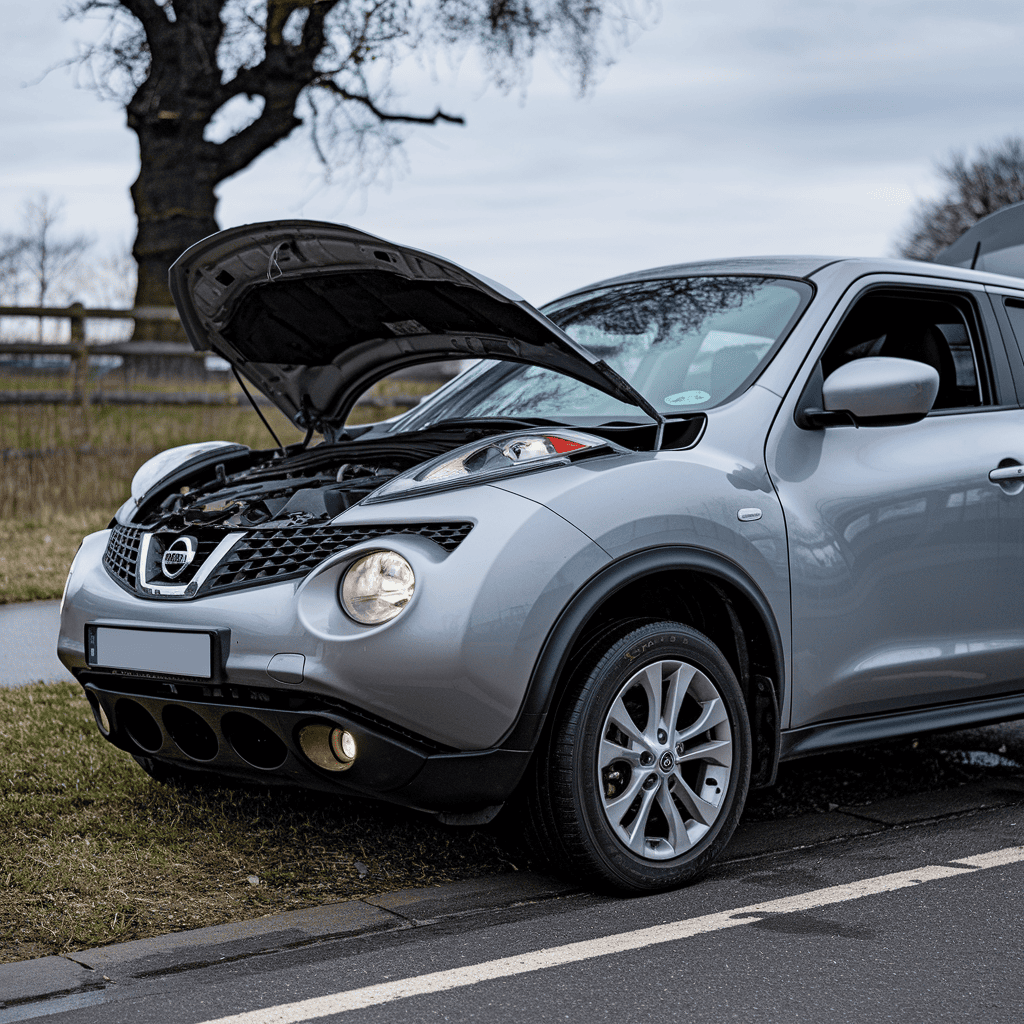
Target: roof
<point>803,267</point>
<point>776,266</point>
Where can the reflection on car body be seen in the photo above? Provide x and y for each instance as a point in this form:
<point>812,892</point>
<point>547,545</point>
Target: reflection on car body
<point>677,527</point>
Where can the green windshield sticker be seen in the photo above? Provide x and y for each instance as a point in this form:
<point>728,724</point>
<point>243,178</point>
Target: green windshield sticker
<point>687,398</point>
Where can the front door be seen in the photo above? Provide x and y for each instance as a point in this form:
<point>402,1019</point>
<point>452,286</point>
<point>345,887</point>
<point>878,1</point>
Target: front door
<point>905,558</point>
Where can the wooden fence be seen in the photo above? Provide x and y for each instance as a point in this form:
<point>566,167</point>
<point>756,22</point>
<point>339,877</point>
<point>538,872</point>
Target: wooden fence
<point>78,348</point>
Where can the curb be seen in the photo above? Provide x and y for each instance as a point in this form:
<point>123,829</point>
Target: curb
<point>53,977</point>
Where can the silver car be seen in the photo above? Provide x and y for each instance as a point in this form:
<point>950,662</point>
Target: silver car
<point>678,527</point>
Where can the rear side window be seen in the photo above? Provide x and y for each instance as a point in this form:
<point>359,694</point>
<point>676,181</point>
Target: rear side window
<point>938,331</point>
<point>1015,314</point>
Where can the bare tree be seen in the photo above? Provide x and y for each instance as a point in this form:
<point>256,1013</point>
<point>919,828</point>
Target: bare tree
<point>974,189</point>
<point>51,263</point>
<point>209,85</point>
<point>11,247</point>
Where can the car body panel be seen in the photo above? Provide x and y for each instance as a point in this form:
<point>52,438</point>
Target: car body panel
<point>898,542</point>
<point>633,503</point>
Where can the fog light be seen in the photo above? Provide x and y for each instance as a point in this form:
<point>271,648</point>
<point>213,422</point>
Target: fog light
<point>328,746</point>
<point>343,745</point>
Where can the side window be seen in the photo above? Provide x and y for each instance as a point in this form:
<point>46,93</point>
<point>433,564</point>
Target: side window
<point>1015,314</point>
<point>929,328</point>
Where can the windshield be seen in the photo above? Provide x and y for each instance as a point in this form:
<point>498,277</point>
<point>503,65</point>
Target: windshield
<point>686,343</point>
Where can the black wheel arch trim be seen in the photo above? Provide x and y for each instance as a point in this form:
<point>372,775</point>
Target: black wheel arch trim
<point>549,668</point>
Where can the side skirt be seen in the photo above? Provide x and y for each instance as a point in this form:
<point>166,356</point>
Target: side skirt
<point>815,739</point>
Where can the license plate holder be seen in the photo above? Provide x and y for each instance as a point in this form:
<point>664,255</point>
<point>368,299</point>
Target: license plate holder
<point>146,650</point>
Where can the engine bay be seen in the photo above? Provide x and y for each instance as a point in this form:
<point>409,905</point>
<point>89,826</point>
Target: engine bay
<point>299,485</point>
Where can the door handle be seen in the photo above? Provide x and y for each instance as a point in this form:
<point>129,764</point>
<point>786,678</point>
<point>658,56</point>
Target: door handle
<point>1006,473</point>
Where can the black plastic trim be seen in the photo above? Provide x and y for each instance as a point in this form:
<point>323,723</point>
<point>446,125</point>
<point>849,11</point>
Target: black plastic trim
<point>551,664</point>
<point>466,781</point>
<point>825,736</point>
<point>220,645</point>
<point>386,768</point>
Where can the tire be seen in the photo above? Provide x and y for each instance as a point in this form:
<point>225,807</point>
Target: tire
<point>645,772</point>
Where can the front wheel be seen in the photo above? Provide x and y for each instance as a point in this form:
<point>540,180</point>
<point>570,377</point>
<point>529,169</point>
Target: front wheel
<point>648,764</point>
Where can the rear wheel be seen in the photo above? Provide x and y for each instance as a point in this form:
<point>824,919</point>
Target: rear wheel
<point>646,770</point>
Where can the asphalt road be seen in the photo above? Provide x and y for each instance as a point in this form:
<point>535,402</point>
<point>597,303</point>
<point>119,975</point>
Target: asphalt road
<point>28,644</point>
<point>920,923</point>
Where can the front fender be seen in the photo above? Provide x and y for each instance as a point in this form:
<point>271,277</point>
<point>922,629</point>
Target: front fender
<point>573,621</point>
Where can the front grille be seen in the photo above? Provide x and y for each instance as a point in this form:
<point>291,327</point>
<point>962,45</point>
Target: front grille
<point>264,556</point>
<point>122,554</point>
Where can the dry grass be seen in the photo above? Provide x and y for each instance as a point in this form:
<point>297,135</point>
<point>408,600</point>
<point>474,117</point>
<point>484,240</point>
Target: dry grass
<point>58,459</point>
<point>35,554</point>
<point>94,851</point>
<point>64,471</point>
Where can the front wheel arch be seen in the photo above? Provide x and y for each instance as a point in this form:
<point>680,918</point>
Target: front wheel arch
<point>593,611</point>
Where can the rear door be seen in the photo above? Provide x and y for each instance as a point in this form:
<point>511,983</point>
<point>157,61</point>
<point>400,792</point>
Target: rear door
<point>905,558</point>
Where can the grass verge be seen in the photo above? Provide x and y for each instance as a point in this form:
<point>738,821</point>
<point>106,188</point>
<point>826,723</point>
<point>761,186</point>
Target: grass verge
<point>94,851</point>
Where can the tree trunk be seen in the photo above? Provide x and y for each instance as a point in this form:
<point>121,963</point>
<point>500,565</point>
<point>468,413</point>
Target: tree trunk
<point>175,205</point>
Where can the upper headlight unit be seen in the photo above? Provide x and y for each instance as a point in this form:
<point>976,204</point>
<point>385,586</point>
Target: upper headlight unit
<point>376,587</point>
<point>485,460</point>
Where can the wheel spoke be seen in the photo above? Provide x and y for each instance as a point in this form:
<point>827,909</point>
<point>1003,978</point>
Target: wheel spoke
<point>612,751</point>
<point>637,831</point>
<point>678,685</point>
<point>619,717</point>
<point>700,810</point>
<point>712,713</point>
<point>678,838</point>
<point>650,680</point>
<point>714,752</point>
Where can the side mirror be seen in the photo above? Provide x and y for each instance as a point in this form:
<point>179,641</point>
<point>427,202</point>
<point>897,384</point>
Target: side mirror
<point>876,391</point>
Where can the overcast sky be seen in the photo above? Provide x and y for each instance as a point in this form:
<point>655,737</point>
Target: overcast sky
<point>737,127</point>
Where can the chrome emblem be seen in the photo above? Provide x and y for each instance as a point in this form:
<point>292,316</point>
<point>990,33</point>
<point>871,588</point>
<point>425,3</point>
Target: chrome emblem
<point>178,557</point>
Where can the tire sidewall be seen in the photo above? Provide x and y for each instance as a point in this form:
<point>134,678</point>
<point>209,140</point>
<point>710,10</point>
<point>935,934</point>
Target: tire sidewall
<point>662,641</point>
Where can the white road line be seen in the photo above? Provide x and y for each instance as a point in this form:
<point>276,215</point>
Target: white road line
<point>541,959</point>
<point>995,859</point>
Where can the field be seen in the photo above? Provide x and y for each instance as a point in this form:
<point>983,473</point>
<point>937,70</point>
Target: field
<point>64,471</point>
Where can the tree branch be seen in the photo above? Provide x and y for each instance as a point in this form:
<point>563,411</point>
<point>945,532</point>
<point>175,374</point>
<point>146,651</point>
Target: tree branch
<point>277,122</point>
<point>331,86</point>
<point>150,15</point>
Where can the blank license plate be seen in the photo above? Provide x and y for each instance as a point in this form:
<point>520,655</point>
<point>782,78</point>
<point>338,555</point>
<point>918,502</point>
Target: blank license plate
<point>151,650</point>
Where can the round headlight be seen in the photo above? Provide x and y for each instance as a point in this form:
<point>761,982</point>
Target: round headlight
<point>377,587</point>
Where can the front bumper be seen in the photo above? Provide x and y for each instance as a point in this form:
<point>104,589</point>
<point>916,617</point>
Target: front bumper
<point>428,696</point>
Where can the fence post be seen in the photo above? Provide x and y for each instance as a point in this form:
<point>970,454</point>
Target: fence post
<point>80,357</point>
